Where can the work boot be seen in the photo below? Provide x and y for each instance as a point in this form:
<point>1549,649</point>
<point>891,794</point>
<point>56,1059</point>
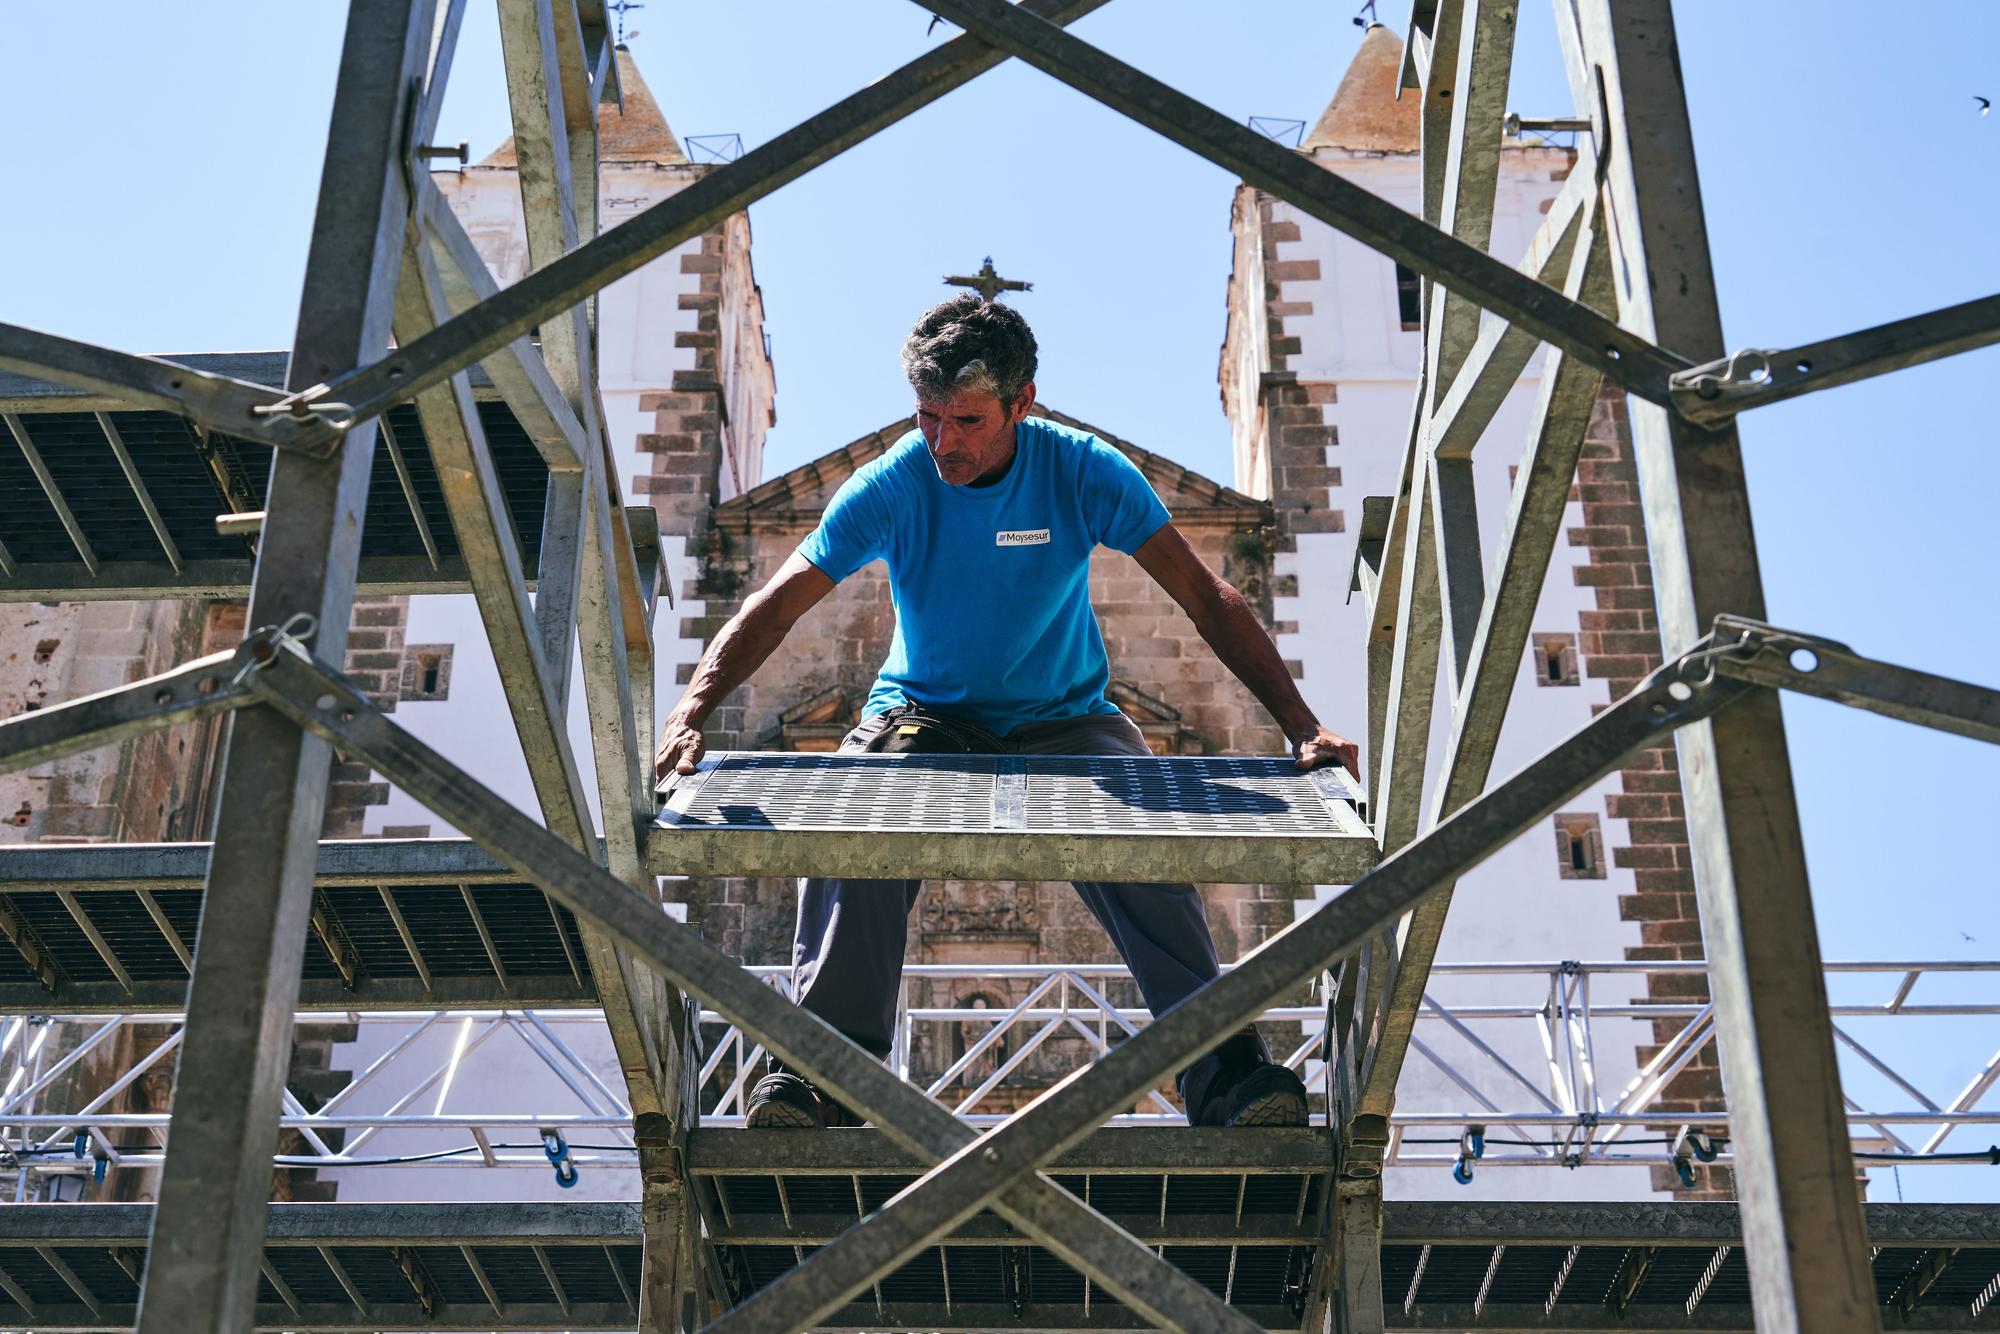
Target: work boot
<point>1238,1084</point>
<point>783,1101</point>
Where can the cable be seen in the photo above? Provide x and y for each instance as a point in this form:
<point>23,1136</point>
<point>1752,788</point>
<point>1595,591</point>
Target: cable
<point>308,1160</point>
<point>1989,1155</point>
<point>1532,1143</point>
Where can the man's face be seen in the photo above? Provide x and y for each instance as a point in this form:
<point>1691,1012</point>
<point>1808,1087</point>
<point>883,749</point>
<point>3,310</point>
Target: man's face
<point>971,434</point>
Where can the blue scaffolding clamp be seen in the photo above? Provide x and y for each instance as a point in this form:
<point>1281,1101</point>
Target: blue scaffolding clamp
<point>1471,1145</point>
<point>1689,1145</point>
<point>557,1149</point>
<point>83,1149</point>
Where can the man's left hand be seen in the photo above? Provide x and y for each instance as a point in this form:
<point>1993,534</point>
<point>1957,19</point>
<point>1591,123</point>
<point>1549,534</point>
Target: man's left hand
<point>1323,747</point>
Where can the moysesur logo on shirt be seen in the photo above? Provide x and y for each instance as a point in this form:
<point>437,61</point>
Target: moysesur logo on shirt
<point>1022,537</point>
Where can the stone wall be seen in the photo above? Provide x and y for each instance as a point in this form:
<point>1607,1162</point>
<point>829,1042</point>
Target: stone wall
<point>375,665</point>
<point>151,788</point>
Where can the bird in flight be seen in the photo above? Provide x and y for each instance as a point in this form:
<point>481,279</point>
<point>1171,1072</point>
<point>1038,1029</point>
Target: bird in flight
<point>1985,104</point>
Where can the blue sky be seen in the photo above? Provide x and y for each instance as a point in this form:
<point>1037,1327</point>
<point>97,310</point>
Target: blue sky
<point>164,160</point>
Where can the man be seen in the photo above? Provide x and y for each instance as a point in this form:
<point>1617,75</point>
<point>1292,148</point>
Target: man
<point>987,518</point>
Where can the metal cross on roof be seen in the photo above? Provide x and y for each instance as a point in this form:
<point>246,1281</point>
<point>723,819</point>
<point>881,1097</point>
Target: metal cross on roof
<point>988,282</point>
<point>620,8</point>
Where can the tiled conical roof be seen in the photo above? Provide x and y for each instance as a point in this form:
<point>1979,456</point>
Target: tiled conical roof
<point>639,133</point>
<point>1365,114</point>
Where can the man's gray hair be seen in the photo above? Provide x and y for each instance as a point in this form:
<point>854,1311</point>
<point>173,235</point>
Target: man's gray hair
<point>968,342</point>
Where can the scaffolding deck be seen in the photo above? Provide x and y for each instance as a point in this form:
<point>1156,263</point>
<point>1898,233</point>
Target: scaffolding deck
<point>191,476</point>
<point>1242,1212</point>
<point>1207,819</point>
<point>398,924</point>
<point>548,1266</point>
<point>109,927</point>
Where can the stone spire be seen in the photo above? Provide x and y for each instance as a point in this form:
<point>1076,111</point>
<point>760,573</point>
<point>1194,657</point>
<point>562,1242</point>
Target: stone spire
<point>1365,114</point>
<point>638,133</point>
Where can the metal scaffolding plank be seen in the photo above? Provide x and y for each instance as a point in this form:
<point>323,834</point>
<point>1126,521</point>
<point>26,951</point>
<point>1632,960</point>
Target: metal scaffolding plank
<point>420,960</point>
<point>1150,819</point>
<point>591,1248</point>
<point>180,480</point>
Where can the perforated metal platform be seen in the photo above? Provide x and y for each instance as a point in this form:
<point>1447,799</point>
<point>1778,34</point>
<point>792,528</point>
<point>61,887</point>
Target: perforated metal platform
<point>481,1266</point>
<point>347,1267</point>
<point>1206,819</point>
<point>397,924</point>
<point>1242,1212</point>
<point>191,476</point>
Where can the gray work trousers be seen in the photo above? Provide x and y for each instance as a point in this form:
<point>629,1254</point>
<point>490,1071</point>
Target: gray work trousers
<point>847,951</point>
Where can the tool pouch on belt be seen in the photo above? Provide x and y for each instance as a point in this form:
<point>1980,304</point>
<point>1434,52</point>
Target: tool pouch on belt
<point>912,730</point>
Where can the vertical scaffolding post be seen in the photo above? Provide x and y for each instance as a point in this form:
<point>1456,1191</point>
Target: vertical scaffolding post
<point>208,1231</point>
<point>1802,1224</point>
<point>554,67</point>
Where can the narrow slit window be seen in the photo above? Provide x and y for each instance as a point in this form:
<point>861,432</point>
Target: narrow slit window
<point>1555,660</point>
<point>427,672</point>
<point>1409,298</point>
<point>1579,846</point>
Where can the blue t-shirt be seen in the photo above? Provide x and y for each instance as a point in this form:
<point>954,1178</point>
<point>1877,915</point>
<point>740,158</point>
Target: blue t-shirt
<point>991,584</point>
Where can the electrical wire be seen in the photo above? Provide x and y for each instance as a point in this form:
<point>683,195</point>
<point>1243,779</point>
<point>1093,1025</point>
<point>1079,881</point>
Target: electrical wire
<point>1989,1155</point>
<point>308,1160</point>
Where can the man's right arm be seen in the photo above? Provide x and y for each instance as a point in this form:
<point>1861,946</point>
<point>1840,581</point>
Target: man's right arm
<point>740,649</point>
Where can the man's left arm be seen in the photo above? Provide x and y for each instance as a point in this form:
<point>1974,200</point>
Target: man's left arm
<point>1239,639</point>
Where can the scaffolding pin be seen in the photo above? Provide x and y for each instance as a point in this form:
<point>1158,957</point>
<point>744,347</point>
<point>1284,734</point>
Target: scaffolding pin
<point>1711,394</point>
<point>261,648</point>
<point>308,405</point>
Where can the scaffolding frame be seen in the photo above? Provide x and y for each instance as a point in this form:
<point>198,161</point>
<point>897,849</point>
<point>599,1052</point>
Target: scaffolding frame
<point>1521,1080</point>
<point>385,253</point>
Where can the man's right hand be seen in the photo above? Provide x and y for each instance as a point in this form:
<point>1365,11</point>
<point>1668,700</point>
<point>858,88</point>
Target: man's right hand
<point>681,747</point>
